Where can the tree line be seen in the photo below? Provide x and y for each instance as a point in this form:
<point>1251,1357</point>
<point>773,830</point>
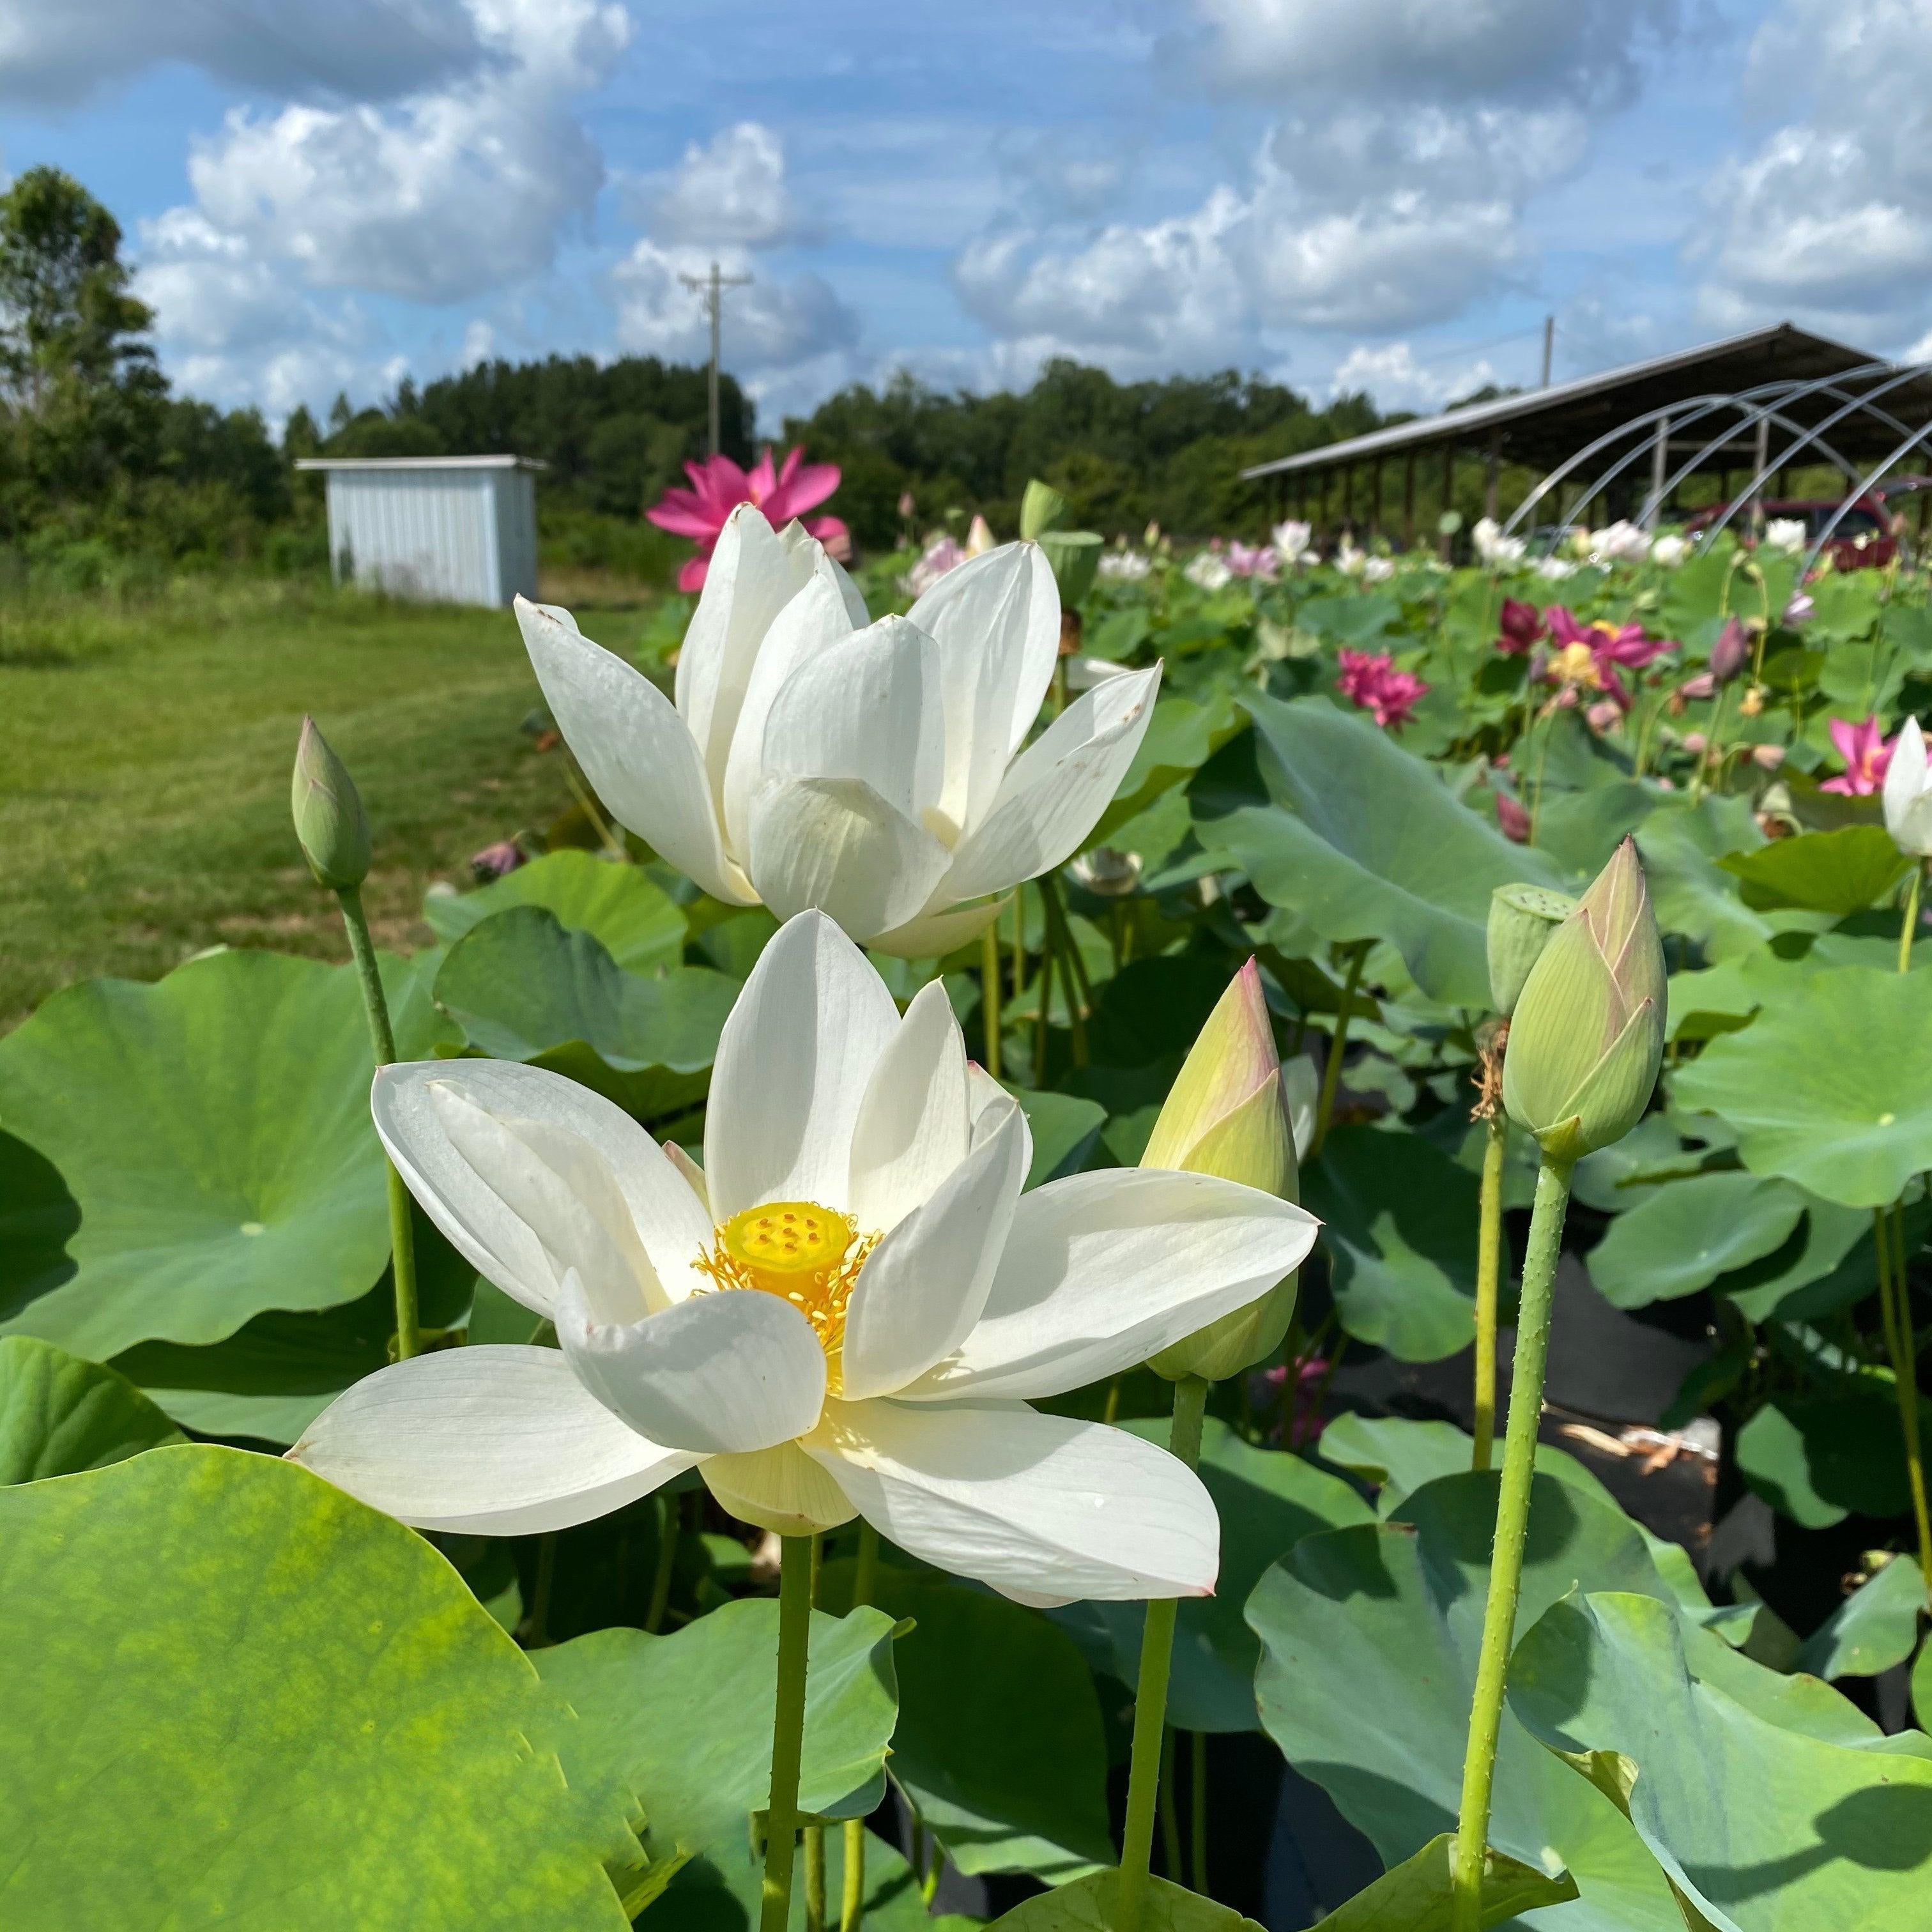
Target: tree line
<point>97,451</point>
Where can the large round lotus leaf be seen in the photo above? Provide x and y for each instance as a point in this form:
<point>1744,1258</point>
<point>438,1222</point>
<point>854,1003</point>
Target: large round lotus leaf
<point>685,1721</point>
<point>1396,1215</point>
<point>1766,1828</point>
<point>59,1415</point>
<point>1820,1457</point>
<point>1368,1641</point>
<point>522,988</point>
<point>1674,1240</point>
<point>624,909</point>
<point>1874,1628</point>
<point>177,1158</point>
<point>1000,1744</point>
<point>1416,1895</point>
<point>1086,1905</point>
<point>1838,872</point>
<point>1832,1088</point>
<point>1692,893</point>
<point>1365,841</point>
<point>253,1702</point>
<point>1268,1501</point>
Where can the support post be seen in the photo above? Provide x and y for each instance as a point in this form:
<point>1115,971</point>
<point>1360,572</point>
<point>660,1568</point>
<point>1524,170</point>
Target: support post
<point>1660,453</point>
<point>1448,497</point>
<point>1409,500</point>
<point>1493,475</point>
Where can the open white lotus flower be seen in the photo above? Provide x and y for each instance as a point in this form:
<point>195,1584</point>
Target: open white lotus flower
<point>877,771</point>
<point>846,1312</point>
<point>1908,793</point>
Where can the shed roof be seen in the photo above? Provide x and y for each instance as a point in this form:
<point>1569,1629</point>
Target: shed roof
<point>420,463</point>
<point>1543,426</point>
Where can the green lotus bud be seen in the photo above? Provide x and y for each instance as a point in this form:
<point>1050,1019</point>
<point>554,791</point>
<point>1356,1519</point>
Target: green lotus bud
<point>328,809</point>
<point>1042,508</point>
<point>1522,919</point>
<point>1227,1115</point>
<point>1587,1032</point>
<point>1075,557</point>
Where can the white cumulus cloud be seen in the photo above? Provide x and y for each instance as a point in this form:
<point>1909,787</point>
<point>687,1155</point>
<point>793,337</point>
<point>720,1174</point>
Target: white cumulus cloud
<point>728,192</point>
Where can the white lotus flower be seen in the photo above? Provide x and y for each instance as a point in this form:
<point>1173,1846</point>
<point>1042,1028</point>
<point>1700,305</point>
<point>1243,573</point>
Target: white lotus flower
<point>1908,793</point>
<point>1669,551</point>
<point>1491,546</point>
<point>1209,570</point>
<point>874,771</point>
<point>1125,566</point>
<point>1377,569</point>
<point>1786,533</point>
<point>1555,568</point>
<point>1291,538</point>
<point>847,1312</point>
<point>1620,542</point>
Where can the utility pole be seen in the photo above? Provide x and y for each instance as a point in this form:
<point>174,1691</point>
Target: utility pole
<point>711,289</point>
<point>1548,347</point>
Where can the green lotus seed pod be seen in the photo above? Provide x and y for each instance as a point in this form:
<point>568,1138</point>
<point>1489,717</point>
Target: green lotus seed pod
<point>1587,1035</point>
<point>1074,556</point>
<point>1042,508</point>
<point>328,809</point>
<point>1522,919</point>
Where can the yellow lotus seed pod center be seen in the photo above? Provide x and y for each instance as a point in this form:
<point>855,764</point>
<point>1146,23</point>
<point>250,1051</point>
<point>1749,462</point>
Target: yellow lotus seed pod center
<point>803,1253</point>
<point>1577,664</point>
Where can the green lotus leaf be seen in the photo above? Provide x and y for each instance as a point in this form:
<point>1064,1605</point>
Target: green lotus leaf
<point>1874,1628</point>
<point>1064,1128</point>
<point>1368,1642</point>
<point>1086,1905</point>
<point>59,1415</point>
<point>1832,1088</point>
<point>1765,1829</point>
<point>178,1158</point>
<point>1680,846</point>
<point>254,1701</point>
<point>1363,841</point>
<point>1416,1895</point>
<point>1678,1239</point>
<point>1839,872</point>
<point>1397,1213</point>
<point>626,911</point>
<point>1268,1501</point>
<point>523,988</point>
<point>685,1721</point>
<point>1820,1457</point>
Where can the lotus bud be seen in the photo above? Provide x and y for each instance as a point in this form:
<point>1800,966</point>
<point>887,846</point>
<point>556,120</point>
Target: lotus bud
<point>979,536</point>
<point>1074,556</point>
<point>1521,920</point>
<point>329,821</point>
<point>1228,1114</point>
<point>1042,508</point>
<point>1587,1033</point>
<point>1729,654</point>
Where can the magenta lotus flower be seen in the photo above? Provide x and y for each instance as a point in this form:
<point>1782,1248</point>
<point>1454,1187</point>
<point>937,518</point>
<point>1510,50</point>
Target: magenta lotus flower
<point>719,486</point>
<point>1511,819</point>
<point>1867,754</point>
<point>1260,560</point>
<point>1521,627</point>
<point>1589,654</point>
<point>1370,679</point>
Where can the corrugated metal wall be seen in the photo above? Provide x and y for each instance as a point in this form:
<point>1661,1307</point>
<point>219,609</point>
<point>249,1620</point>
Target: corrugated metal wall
<point>450,536</point>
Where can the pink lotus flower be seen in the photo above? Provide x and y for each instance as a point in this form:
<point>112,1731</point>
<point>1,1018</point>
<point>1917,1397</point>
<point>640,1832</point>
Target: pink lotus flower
<point>1521,626</point>
<point>1370,679</point>
<point>1590,654</point>
<point>1606,715</point>
<point>719,486</point>
<point>1259,560</point>
<point>1867,755</point>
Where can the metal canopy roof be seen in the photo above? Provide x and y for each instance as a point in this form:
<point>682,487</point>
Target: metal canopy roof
<point>420,463</point>
<point>1542,427</point>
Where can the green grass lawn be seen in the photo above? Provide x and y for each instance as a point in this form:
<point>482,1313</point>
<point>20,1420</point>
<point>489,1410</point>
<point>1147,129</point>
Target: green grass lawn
<point>145,756</point>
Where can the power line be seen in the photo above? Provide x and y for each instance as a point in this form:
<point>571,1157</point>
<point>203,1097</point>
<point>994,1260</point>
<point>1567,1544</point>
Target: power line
<point>711,289</point>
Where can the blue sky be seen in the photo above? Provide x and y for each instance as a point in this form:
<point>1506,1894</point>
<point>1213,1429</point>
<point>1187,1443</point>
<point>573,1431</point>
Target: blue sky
<point>1380,193</point>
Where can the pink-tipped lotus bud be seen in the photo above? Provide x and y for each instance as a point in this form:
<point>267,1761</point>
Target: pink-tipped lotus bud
<point>329,821</point>
<point>1731,652</point>
<point>1227,1113</point>
<point>1587,1032</point>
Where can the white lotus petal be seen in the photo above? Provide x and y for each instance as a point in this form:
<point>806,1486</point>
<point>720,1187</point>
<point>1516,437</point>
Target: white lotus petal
<point>692,1173</point>
<point>913,1129</point>
<point>1908,800</point>
<point>923,1287</point>
<point>781,1490</point>
<point>870,707</point>
<point>718,1374</point>
<point>635,748</point>
<point>752,576</point>
<point>983,1094</point>
<point>1031,1503</point>
<point>996,620</point>
<point>1055,792</point>
<point>1102,1271</point>
<point>836,845</point>
<point>792,1068</point>
<point>932,935</point>
<point>496,1441</point>
<point>485,1228</point>
<point>816,618</point>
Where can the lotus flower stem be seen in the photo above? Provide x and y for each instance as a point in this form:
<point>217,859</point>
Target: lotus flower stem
<point>1908,925</point>
<point>1901,1342</point>
<point>989,995</point>
<point>1190,1405</point>
<point>1075,988</point>
<point>852,1901</point>
<point>1525,1410</point>
<point>787,1730</point>
<point>402,1234</point>
<point>1197,1812</point>
<point>1170,1819</point>
<point>1489,1272</point>
<point>1331,1071</point>
<point>661,1577</point>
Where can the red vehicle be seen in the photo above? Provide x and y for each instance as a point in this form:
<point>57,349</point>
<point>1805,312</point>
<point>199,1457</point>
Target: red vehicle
<point>1864,538</point>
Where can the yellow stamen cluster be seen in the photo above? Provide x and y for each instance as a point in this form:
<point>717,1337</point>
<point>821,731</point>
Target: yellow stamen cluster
<point>1577,664</point>
<point>803,1253</point>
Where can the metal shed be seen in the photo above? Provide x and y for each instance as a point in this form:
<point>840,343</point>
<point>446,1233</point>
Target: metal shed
<point>444,530</point>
